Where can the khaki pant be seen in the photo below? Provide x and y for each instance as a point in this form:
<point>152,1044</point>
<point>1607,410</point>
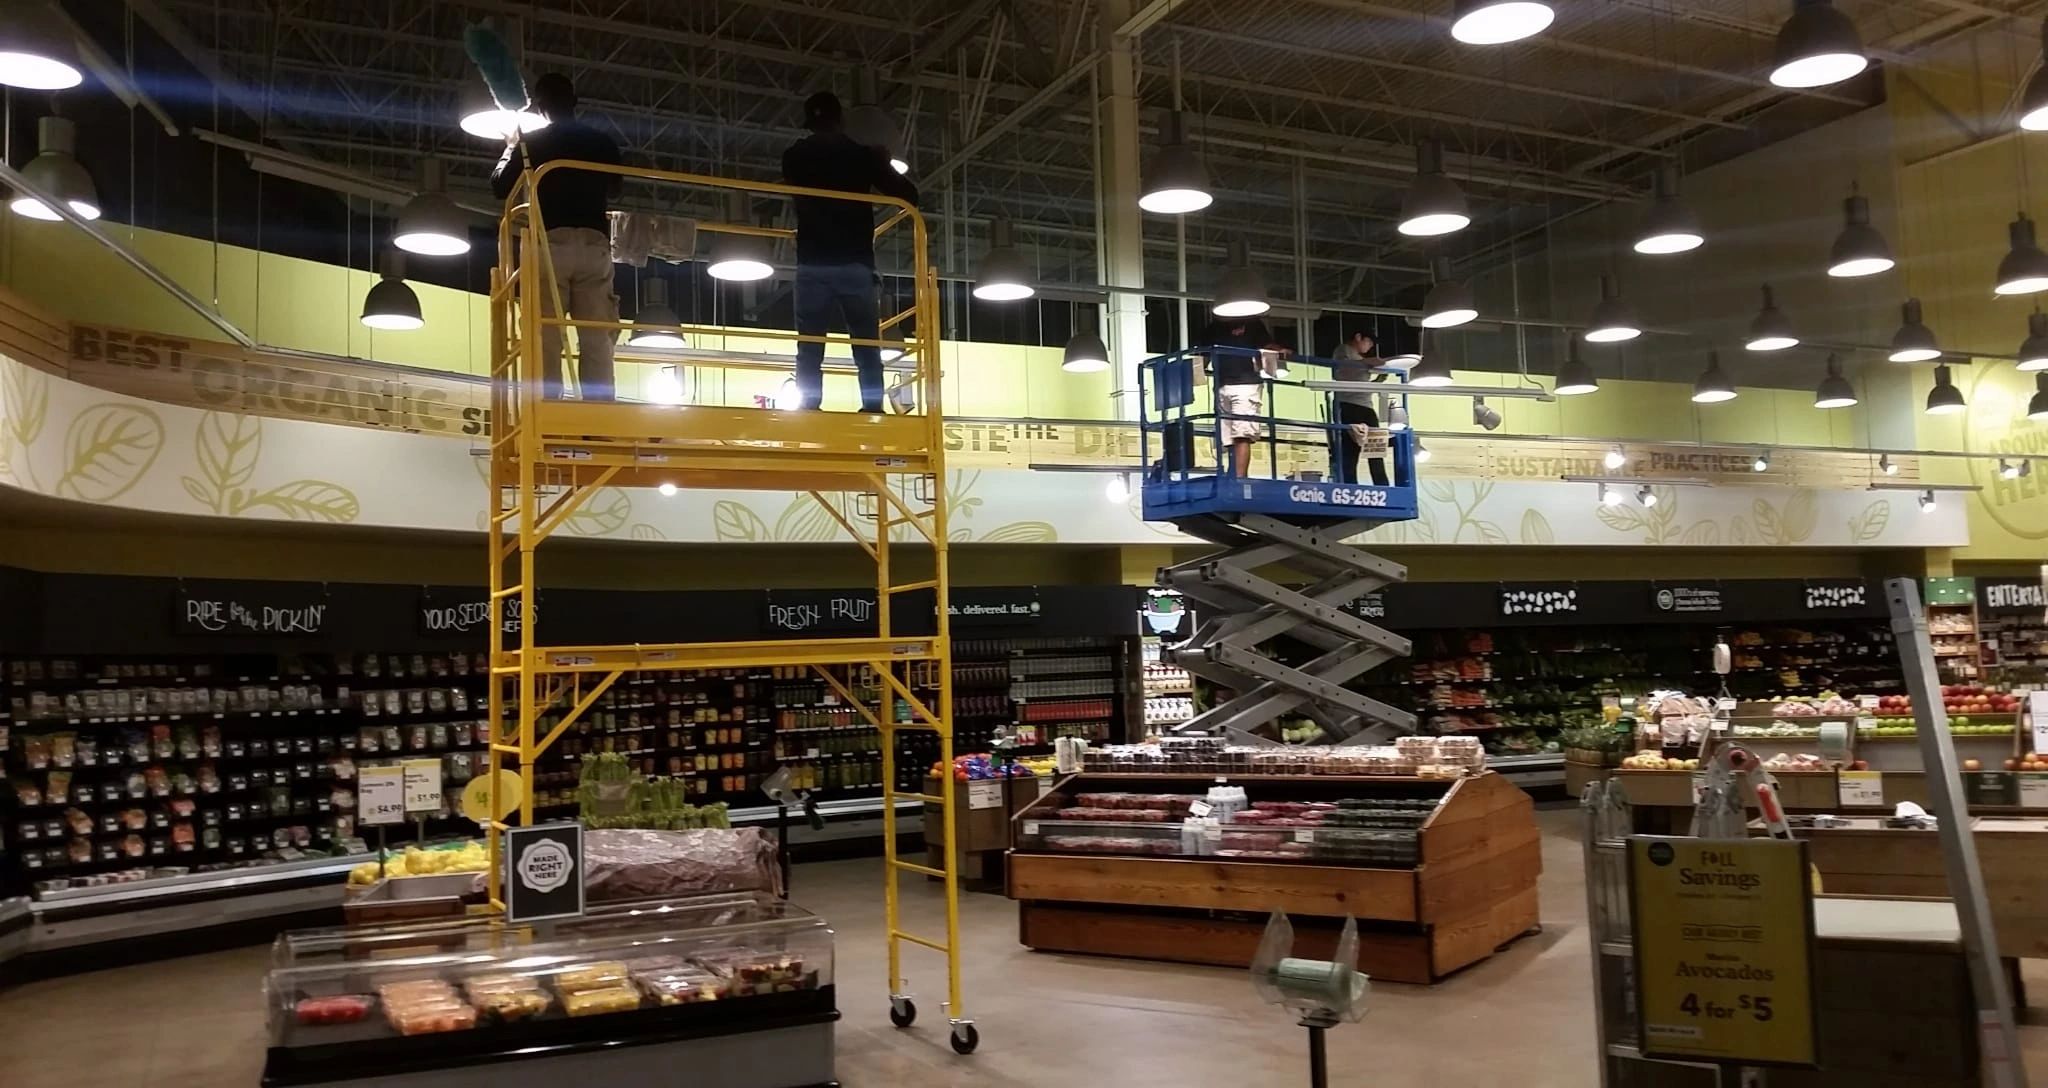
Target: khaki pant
<point>583,271</point>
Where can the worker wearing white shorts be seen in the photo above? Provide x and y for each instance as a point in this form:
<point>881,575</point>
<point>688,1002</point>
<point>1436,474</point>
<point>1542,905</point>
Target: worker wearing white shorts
<point>1240,389</point>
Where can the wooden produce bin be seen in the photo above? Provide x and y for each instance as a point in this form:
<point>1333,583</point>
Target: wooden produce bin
<point>1473,890</point>
<point>980,831</point>
<point>1869,859</point>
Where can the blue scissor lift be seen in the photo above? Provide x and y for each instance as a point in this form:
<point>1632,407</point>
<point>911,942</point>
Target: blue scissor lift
<point>1290,510</point>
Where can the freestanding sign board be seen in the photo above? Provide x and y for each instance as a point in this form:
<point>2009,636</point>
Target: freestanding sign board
<point>544,872</point>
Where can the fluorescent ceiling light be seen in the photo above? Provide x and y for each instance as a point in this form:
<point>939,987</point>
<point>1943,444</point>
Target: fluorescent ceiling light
<point>1497,22</point>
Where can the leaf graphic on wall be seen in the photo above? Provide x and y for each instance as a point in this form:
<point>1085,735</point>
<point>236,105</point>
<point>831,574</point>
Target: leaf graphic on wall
<point>1441,490</point>
<point>107,449</point>
<point>1488,532</point>
<point>732,521</point>
<point>27,394</point>
<point>1738,530</point>
<point>960,536</point>
<point>1536,528</point>
<point>1801,515</point>
<point>228,448</point>
<point>1871,523</point>
<point>1480,491</point>
<point>643,531</point>
<point>1702,533</point>
<point>807,521</point>
<point>606,511</point>
<point>1770,528</point>
<point>1022,532</point>
<point>1424,527</point>
<point>960,495</point>
<point>1619,518</point>
<point>310,500</point>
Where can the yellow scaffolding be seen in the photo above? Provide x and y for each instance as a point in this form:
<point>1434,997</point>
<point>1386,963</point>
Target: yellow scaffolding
<point>547,456</point>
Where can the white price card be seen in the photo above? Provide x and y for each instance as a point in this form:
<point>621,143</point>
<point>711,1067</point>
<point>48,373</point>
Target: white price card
<point>1867,702</point>
<point>380,795</point>
<point>1044,784</point>
<point>1031,827</point>
<point>2037,711</point>
<point>2034,791</point>
<point>1304,834</point>
<point>422,782</point>
<point>986,794</point>
<point>1725,705</point>
<point>1860,789</point>
<point>1199,808</point>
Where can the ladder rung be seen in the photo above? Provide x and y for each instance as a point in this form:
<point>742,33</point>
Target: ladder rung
<point>508,749</point>
<point>507,592</point>
<point>505,670</point>
<point>913,586</point>
<point>936,946</point>
<point>925,797</point>
<point>915,868</point>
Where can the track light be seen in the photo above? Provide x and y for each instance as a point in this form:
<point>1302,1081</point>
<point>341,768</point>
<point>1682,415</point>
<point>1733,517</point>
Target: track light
<point>1817,46</point>
<point>1449,302</point>
<point>1770,329</point>
<point>482,117</point>
<point>56,171</point>
<point>1085,354</point>
<point>1434,204</point>
<point>740,258</point>
<point>665,386</point>
<point>1944,399</point>
<point>667,489</point>
<point>391,304</point>
<point>1002,275</point>
<point>1176,182</point>
<point>2034,100</point>
<point>1119,489</point>
<point>1422,451</point>
<point>1242,290</point>
<point>1762,463</point>
<point>1615,458</point>
<point>1834,390</point>
<point>1914,342</point>
<point>2037,407</point>
<point>38,52</point>
<point>1860,250</point>
<point>1431,371</point>
<point>1886,465</point>
<point>1574,378</point>
<point>1610,495</point>
<point>870,125</point>
<point>1613,320</point>
<point>1397,418</point>
<point>1669,226</point>
<point>1485,415</point>
<point>788,397</point>
<point>2007,470</point>
<point>655,321</point>
<point>2033,353</point>
<point>1497,22</point>
<point>1713,385</point>
<point>2024,270</point>
<point>430,224</point>
<point>1927,503</point>
<point>1646,496</point>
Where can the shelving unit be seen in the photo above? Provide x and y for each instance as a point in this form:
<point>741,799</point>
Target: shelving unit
<point>1067,687</point>
<point>1953,631</point>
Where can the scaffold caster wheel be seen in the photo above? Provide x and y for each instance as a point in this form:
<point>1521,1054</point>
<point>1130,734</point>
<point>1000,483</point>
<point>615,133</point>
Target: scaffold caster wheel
<point>902,1011</point>
<point>965,1038</point>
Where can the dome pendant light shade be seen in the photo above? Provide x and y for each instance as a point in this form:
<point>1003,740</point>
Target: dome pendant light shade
<point>740,258</point>
<point>2034,100</point>
<point>1242,291</point>
<point>1835,390</point>
<point>57,172</point>
<point>1176,183</point>
<point>1944,399</point>
<point>1613,321</point>
<point>1497,22</point>
<point>1085,354</point>
<point>2033,351</point>
<point>867,123</point>
<point>1669,226</point>
<point>1431,371</point>
<point>1434,204</point>
<point>1817,46</point>
<point>1003,275</point>
<point>1770,329</point>
<point>1575,378</point>
<point>1859,250</point>
<point>657,317</point>
<point>430,224</point>
<point>2024,271</point>
<point>2037,407</point>
<point>37,50</point>
<point>1914,342</point>
<point>480,115</point>
<point>1713,385</point>
<point>391,304</point>
<point>1449,302</point>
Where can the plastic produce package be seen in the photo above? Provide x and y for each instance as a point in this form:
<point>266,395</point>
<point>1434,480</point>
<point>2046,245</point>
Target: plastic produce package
<point>635,864</point>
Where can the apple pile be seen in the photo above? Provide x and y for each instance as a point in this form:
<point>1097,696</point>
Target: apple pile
<point>1977,699</point>
<point>2032,761</point>
<point>1894,712</point>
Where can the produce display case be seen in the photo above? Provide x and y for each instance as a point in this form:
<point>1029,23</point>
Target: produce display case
<point>737,989</point>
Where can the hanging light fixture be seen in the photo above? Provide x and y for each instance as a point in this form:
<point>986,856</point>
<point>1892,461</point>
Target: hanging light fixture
<point>1485,416</point>
<point>665,385</point>
<point>56,171</point>
<point>1914,342</point>
<point>1817,46</point>
<point>1646,496</point>
<point>1615,458</point>
<point>1449,302</point>
<point>2024,271</point>
<point>1834,390</point>
<point>655,321</point>
<point>38,52</point>
<point>1927,503</point>
<point>2037,407</point>
<point>1944,399</point>
<point>430,224</point>
<point>1176,182</point>
<point>2034,100</point>
<point>1421,451</point>
<point>1770,329</point>
<point>1242,291</point>
<point>1085,353</point>
<point>1713,385</point>
<point>1860,250</point>
<point>740,258</point>
<point>1434,204</point>
<point>1574,378</point>
<point>1431,371</point>
<point>870,125</point>
<point>482,117</point>
<point>1003,275</point>
<point>391,304</point>
<point>1886,465</point>
<point>1613,320</point>
<point>2033,353</point>
<point>1669,226</point>
<point>1497,22</point>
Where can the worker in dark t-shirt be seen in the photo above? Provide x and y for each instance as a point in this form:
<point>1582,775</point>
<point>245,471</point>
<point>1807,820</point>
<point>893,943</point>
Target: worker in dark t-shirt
<point>1240,389</point>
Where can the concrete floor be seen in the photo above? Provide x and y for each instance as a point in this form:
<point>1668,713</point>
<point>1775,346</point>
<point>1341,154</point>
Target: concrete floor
<point>1522,1018</point>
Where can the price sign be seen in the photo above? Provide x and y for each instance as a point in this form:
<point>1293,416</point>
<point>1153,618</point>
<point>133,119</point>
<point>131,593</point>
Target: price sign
<point>422,783</point>
<point>2037,712</point>
<point>1724,950</point>
<point>1860,789</point>
<point>988,794</point>
<point>544,872</point>
<point>1199,808</point>
<point>2034,791</point>
<point>380,795</point>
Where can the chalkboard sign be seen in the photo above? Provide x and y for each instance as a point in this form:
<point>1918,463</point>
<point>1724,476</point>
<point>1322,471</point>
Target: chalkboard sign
<point>1695,598</point>
<point>981,607</point>
<point>820,612</point>
<point>2011,597</point>
<point>289,610</point>
<point>453,617</point>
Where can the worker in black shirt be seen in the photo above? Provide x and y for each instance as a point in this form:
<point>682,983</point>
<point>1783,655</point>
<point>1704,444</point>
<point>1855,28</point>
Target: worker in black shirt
<point>573,207</point>
<point>835,246</point>
<point>1239,386</point>
<point>1358,358</point>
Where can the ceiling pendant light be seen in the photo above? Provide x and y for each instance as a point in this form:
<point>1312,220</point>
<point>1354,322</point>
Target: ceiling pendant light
<point>1002,275</point>
<point>56,172</point>
<point>1944,399</point>
<point>870,125</point>
<point>1770,329</point>
<point>430,224</point>
<point>1085,354</point>
<point>1449,302</point>
<point>2034,100</point>
<point>1817,46</point>
<point>391,304</point>
<point>1431,371</point>
<point>740,258</point>
<point>1713,385</point>
<point>1574,378</point>
<point>1497,22</point>
<point>1669,226</point>
<point>1613,321</point>
<point>2033,353</point>
<point>2024,271</point>
<point>1615,458</point>
<point>1914,342</point>
<point>1834,390</point>
<point>654,323</point>
<point>2037,407</point>
<point>1176,182</point>
<point>38,52</point>
<point>1434,204</point>
<point>1860,250</point>
<point>1242,291</point>
<point>480,115</point>
<point>1927,503</point>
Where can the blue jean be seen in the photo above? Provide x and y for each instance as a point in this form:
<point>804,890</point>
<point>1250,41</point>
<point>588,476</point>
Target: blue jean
<point>848,290</point>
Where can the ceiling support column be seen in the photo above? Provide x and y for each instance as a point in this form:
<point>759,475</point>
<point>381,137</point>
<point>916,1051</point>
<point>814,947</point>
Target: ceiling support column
<point>1120,241</point>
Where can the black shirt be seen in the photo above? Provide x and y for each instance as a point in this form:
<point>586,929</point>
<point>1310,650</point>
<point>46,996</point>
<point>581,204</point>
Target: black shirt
<point>1235,332</point>
<point>839,231</point>
<point>568,198</point>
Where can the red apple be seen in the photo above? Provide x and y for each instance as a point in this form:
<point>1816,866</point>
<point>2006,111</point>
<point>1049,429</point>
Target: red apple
<point>1973,765</point>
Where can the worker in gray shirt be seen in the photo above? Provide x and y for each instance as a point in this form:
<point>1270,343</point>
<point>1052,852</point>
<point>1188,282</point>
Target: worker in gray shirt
<point>1356,359</point>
